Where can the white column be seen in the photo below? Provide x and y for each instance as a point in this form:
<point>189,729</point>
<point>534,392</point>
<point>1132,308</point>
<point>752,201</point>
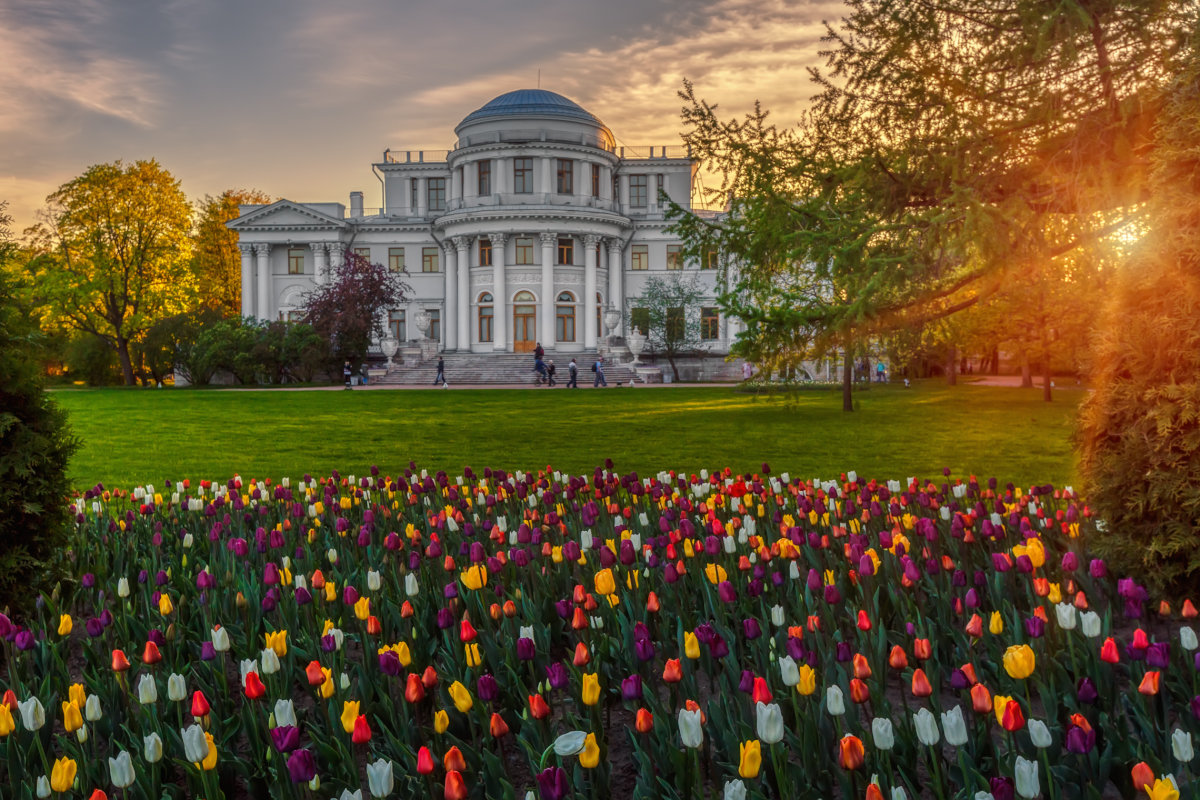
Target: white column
<point>501,169</point>
<point>605,182</point>
<point>263,251</point>
<point>321,264</point>
<point>548,176</point>
<point>247,251</point>
<point>406,209</point>
<point>589,290</point>
<point>499,293</point>
<point>616,281</point>
<point>623,187</point>
<point>463,245</point>
<point>337,252</point>
<point>450,323</point>
<point>549,240</point>
<point>456,186</point>
<point>422,196</point>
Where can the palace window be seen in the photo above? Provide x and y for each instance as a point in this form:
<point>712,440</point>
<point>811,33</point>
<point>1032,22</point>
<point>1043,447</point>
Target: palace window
<point>396,259</point>
<point>485,252</point>
<point>396,324</point>
<point>566,251</point>
<point>436,194</point>
<point>295,316</point>
<point>674,256</point>
<point>675,324</point>
<point>710,324</point>
<point>595,180</point>
<point>640,318</point>
<point>295,260</point>
<point>435,323</point>
<point>485,176</point>
<point>363,253</point>
<point>524,250</point>
<point>485,317</point>
<point>523,175</point>
<point>566,176</point>
<point>637,190</point>
<point>429,259</point>
<point>639,257</point>
<point>710,260</point>
<point>565,318</point>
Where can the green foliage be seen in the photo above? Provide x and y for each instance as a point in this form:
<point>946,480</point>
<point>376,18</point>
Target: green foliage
<point>669,308</point>
<point>216,261</point>
<point>251,351</point>
<point>35,445</point>
<point>89,360</point>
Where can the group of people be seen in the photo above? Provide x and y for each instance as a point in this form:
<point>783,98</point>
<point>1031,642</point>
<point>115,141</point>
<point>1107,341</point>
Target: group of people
<point>546,370</point>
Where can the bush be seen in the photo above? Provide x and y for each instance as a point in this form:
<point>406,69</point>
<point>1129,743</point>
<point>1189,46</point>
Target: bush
<point>35,444</point>
<point>90,360</point>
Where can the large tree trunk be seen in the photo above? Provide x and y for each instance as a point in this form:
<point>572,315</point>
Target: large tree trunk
<point>674,369</point>
<point>995,360</point>
<point>952,367</point>
<point>1026,372</point>
<point>126,363</point>
<point>848,378</point>
<point>1046,395</point>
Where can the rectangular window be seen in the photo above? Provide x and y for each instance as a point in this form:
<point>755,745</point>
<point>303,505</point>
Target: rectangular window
<point>640,318</point>
<point>566,251</point>
<point>396,325</point>
<point>565,324</point>
<point>639,257</point>
<point>523,175</point>
<point>485,177</point>
<point>363,253</point>
<point>674,256</point>
<point>710,259</point>
<point>429,259</point>
<point>485,323</point>
<point>436,194</point>
<point>595,180</point>
<point>435,323</point>
<point>637,190</point>
<point>485,254</point>
<point>566,176</point>
<point>710,324</point>
<point>524,247</point>
<point>396,259</point>
<point>295,260</point>
<point>675,322</point>
<point>295,316</point>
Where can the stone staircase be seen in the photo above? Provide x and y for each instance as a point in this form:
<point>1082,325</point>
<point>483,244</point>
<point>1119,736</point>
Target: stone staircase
<point>470,369</point>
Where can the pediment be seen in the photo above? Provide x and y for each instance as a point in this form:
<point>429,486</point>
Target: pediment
<point>285,214</point>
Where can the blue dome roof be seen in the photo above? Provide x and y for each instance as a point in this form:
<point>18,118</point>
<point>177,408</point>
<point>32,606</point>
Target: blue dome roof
<point>534,103</point>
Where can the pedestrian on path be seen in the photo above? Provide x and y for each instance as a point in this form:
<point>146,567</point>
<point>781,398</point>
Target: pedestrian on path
<point>538,352</point>
<point>539,367</point>
<point>573,372</point>
<point>346,373</point>
<point>598,368</point>
<point>550,371</point>
<point>881,373</point>
<point>441,372</point>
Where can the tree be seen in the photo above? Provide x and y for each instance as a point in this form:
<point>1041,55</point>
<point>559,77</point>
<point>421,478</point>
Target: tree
<point>35,446</point>
<point>349,310</point>
<point>953,147</point>
<point>669,310</point>
<point>119,248</point>
<point>216,260</point>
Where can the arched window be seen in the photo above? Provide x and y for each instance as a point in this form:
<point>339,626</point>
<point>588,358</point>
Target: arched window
<point>565,318</point>
<point>485,317</point>
<point>524,297</point>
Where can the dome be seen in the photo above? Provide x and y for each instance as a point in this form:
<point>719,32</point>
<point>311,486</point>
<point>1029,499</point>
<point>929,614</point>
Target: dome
<point>531,103</point>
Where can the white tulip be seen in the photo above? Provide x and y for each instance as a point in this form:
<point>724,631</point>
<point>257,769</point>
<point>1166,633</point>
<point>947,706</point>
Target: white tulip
<point>332,556</point>
<point>147,690</point>
<point>1066,616</point>
<point>43,787</point>
<point>777,618</point>
<point>882,733</point>
<point>835,701</point>
<point>33,714</point>
<point>788,670</point>
<point>270,662</point>
<point>380,778</point>
<point>220,639</point>
<point>1039,734</point>
<point>954,727</point>
<point>285,713</point>
<point>120,770</point>
<point>344,681</point>
<point>176,688</point>
<point>570,744</point>
<point>1026,774</point>
<point>769,722</point>
<point>1187,639</point>
<point>123,588</point>
<point>1089,622</point>
<point>195,746</point>
<point>690,731</point>
<point>152,748</point>
<point>526,632</point>
<point>247,666</point>
<point>926,725</point>
<point>1181,746</point>
<point>373,581</point>
<point>734,790</point>
<point>898,792</point>
<point>410,585</point>
<point>92,711</point>
<point>81,734</point>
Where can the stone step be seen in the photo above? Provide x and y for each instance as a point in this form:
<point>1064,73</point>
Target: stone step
<point>500,368</point>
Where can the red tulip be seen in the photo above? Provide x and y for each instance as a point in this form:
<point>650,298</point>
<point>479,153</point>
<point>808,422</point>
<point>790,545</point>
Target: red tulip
<point>922,649</point>
<point>1143,776</point>
<point>579,620</point>
<point>466,631</point>
<point>456,789</point>
<point>424,761</point>
<point>414,690</point>
<point>672,671</point>
<point>429,678</point>
<point>254,686</point>
<point>200,707</point>
<point>151,655</point>
<point>1109,653</point>
<point>920,684</point>
<point>498,727</point>
<point>761,692</point>
<point>1013,718</point>
<point>119,662</point>
<point>862,668</point>
<point>864,622</point>
<point>898,659</point>
<point>362,730</point>
<point>652,604</point>
<point>581,655</point>
<point>859,692</point>
<point>314,673</point>
<point>538,708</point>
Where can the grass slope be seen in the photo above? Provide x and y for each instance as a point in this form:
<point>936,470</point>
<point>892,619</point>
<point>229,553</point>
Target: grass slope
<point>146,436</point>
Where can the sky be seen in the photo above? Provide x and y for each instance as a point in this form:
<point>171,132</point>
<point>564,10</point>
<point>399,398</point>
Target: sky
<point>298,98</point>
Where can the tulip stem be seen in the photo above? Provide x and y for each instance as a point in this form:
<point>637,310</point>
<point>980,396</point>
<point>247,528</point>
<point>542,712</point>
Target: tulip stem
<point>1049,777</point>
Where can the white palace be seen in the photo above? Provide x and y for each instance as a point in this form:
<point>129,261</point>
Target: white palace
<point>531,229</point>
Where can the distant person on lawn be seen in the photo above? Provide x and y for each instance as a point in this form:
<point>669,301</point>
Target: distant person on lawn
<point>346,373</point>
<point>598,368</point>
<point>441,373</point>
<point>573,373</point>
<point>550,371</point>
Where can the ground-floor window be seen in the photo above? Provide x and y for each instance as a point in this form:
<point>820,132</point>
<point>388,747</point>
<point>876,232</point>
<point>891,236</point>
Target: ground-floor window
<point>435,323</point>
<point>640,318</point>
<point>710,326</point>
<point>396,324</point>
<point>485,317</point>
<point>565,316</point>
<point>674,324</point>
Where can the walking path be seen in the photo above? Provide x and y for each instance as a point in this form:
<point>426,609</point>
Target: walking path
<point>452,386</point>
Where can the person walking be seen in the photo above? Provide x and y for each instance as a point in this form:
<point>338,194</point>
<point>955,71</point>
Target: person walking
<point>880,373</point>
<point>550,371</point>
<point>573,375</point>
<point>538,352</point>
<point>598,368</point>
<point>346,373</point>
<point>441,372</point>
<point>539,367</point>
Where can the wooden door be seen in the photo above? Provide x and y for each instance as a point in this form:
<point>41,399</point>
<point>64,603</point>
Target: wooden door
<point>524,328</point>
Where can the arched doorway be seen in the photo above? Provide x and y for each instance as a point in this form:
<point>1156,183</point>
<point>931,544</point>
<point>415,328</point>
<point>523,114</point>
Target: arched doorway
<point>524,322</point>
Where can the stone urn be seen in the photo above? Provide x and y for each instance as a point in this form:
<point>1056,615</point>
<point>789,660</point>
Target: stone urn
<point>389,346</point>
<point>637,343</point>
<point>423,320</point>
<point>612,318</point>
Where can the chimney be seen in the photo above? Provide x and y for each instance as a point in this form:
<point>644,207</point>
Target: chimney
<point>356,204</point>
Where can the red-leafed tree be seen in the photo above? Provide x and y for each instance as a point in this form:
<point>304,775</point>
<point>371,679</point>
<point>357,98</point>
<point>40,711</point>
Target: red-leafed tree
<point>349,310</point>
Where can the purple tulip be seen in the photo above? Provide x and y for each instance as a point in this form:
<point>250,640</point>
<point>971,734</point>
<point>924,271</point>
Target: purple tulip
<point>1070,561</point>
<point>832,595</point>
<point>88,580</point>
<point>525,649</point>
<point>301,766</point>
<point>959,680</point>
<point>795,648</point>
<point>1097,569</point>
<point>207,651</point>
<point>1158,655</point>
<point>972,598</point>
<point>750,628</point>
<point>1086,691</point>
<point>445,618</point>
<point>718,648</point>
<point>24,640</point>
<point>350,595</point>
<point>552,783</point>
<point>557,675</point>
<point>328,643</point>
<point>564,608</point>
<point>286,738</point>
<point>644,649</point>
<point>746,684</point>
<point>1024,564</point>
<point>726,592</point>
<point>1035,627</point>
<point>1195,706</point>
<point>1079,741</point>
<point>303,596</point>
<point>1000,562</point>
<point>814,580</point>
<point>487,688</point>
<point>1002,788</point>
<point>631,688</point>
<point>389,663</point>
<point>94,627</point>
<point>844,652</point>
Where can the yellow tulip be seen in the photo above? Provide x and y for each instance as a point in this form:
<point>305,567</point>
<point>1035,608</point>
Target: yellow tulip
<point>999,703</point>
<point>591,689</point>
<point>350,711</point>
<point>1162,789</point>
<point>1055,595</point>
<point>691,646</point>
<point>62,776</point>
<point>77,695</point>
<point>7,724</point>
<point>441,721</point>
<point>330,592</point>
<point>590,757</point>
<point>402,652</point>
<point>72,718</point>
<point>472,652</point>
<point>996,624</point>
<point>715,573</point>
<point>475,577</point>
<point>327,686</point>
<point>750,758</point>
<point>362,608</point>
<point>604,582</point>
<point>64,625</point>
<point>1019,661</point>
<point>210,760</point>
<point>808,680</point>
<point>460,695</point>
<point>165,607</point>
<point>277,641</point>
<point>688,549</point>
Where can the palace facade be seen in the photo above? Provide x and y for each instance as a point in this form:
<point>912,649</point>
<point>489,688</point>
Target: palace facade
<point>531,229</point>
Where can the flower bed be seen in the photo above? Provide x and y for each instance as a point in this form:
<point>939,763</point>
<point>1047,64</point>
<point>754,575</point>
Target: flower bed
<point>599,636</point>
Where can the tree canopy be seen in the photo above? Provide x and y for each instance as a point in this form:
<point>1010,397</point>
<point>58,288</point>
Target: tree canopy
<point>215,259</point>
<point>350,310</point>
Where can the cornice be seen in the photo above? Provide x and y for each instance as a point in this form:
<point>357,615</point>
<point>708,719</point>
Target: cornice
<point>530,214</point>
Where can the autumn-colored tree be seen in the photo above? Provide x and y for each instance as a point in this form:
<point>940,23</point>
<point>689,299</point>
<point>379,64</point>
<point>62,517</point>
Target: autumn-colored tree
<point>349,310</point>
<point>118,249</point>
<point>216,260</point>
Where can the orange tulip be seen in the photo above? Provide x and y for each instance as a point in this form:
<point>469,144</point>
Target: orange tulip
<point>975,626</point>
<point>510,609</point>
<point>453,760</point>
<point>429,678</point>
<point>1150,681</point>
<point>456,788</point>
<point>859,692</point>
<point>851,752</point>
<point>922,649</point>
<point>968,669</point>
<point>644,722</point>
<point>897,659</point>
<point>119,662</point>
<point>538,707</point>
<point>1142,775</point>
<point>981,699</point>
<point>873,792</point>
<point>373,625</point>
<point>579,620</point>
<point>1189,610</point>
<point>672,672</point>
<point>498,727</point>
<point>582,656</point>
<point>151,654</point>
<point>652,604</point>
<point>920,684</point>
<point>318,579</point>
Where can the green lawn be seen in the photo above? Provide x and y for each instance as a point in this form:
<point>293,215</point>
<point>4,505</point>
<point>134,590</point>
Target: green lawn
<point>146,436</point>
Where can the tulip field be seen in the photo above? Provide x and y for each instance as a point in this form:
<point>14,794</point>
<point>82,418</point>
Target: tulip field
<point>605,635</point>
